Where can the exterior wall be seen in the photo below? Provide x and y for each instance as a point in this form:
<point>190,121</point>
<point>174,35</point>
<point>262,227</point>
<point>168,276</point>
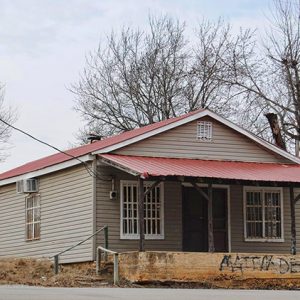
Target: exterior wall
<point>108,213</point>
<point>66,217</point>
<point>181,142</point>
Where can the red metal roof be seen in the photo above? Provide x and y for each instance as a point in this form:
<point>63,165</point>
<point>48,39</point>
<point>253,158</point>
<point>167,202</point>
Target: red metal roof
<point>155,166</point>
<point>86,149</point>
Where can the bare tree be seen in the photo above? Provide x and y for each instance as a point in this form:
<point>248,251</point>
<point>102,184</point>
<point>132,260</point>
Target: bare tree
<point>205,85</point>
<point>141,77</point>
<point>9,116</point>
<point>135,80</point>
<point>268,77</point>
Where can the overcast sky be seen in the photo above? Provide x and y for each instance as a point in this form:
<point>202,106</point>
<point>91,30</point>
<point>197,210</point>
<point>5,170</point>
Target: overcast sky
<point>43,44</point>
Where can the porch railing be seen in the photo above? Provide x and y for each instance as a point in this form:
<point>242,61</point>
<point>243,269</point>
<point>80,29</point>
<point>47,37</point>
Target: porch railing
<point>56,256</point>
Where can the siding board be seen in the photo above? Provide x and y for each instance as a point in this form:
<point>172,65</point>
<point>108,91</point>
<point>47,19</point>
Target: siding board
<point>108,213</point>
<point>66,217</point>
<point>181,142</point>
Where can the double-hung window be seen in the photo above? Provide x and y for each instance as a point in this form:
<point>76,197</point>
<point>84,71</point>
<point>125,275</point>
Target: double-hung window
<point>263,214</point>
<point>33,217</point>
<point>153,211</point>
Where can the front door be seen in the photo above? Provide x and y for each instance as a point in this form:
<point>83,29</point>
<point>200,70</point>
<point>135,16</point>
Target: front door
<point>195,235</point>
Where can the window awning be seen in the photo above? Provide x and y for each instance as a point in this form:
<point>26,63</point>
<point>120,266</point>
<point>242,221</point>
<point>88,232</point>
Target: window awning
<point>231,170</point>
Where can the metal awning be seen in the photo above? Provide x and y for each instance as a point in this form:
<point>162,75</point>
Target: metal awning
<point>146,167</point>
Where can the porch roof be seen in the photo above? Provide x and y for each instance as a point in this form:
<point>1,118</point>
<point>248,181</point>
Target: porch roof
<point>231,170</point>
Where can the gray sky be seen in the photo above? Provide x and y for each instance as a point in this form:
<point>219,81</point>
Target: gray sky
<point>43,44</point>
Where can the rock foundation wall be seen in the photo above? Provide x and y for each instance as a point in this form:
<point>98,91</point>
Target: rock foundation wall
<point>189,266</point>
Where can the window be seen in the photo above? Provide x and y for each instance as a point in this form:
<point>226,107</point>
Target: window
<point>153,211</point>
<point>204,131</point>
<point>33,217</point>
<point>263,214</point>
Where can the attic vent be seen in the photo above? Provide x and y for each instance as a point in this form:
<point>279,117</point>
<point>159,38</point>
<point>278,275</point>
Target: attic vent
<point>27,186</point>
<point>204,131</point>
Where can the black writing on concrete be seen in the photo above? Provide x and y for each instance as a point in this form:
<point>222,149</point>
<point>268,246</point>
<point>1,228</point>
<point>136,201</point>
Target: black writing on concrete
<point>277,264</point>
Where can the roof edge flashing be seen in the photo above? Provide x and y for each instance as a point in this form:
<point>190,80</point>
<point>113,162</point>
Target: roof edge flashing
<point>49,169</point>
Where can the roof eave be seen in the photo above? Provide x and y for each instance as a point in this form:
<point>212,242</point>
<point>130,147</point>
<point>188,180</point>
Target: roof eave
<point>50,169</point>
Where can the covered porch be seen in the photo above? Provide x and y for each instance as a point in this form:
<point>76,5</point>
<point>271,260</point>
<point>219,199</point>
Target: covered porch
<point>269,194</point>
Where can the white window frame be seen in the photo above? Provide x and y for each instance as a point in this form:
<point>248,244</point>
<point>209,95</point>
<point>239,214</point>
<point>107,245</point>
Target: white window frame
<point>32,221</point>
<point>263,190</point>
<point>160,236</point>
<point>204,131</point>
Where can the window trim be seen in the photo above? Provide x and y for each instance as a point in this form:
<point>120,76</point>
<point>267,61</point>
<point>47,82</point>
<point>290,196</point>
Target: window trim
<point>31,195</point>
<point>206,124</point>
<point>162,219</point>
<point>263,190</point>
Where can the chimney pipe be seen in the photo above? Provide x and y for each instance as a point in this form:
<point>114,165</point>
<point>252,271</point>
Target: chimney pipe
<point>93,137</point>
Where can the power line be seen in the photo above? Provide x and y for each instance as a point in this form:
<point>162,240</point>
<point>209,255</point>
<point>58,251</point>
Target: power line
<point>90,171</point>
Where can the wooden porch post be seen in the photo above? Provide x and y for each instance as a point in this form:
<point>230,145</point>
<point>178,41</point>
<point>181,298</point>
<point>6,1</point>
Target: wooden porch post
<point>293,221</point>
<point>210,226</point>
<point>211,247</point>
<point>141,214</point>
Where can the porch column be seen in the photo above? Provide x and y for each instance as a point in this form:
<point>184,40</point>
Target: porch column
<point>141,214</point>
<point>293,221</point>
<point>211,246</point>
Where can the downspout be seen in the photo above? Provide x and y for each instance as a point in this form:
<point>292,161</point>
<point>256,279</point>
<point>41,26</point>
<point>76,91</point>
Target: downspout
<point>94,204</point>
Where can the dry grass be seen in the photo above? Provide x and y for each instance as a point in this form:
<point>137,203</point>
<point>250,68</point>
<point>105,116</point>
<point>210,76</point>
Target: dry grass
<point>30,271</point>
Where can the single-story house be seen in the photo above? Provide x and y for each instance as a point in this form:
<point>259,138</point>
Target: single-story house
<point>193,183</point>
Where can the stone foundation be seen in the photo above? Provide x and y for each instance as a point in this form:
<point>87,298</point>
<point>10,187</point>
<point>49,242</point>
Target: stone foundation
<point>192,266</point>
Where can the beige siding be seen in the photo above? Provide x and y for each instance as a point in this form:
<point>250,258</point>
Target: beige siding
<point>237,226</point>
<point>66,217</point>
<point>108,213</point>
<point>227,144</point>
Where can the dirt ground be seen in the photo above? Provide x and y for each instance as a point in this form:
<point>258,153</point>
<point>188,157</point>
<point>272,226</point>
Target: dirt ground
<point>40,273</point>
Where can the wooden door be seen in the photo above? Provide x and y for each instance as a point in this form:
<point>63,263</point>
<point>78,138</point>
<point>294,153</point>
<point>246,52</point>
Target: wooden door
<point>195,223</point>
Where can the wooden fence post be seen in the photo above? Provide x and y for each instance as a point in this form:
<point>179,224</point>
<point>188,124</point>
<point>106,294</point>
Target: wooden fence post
<point>105,242</point>
<point>56,264</point>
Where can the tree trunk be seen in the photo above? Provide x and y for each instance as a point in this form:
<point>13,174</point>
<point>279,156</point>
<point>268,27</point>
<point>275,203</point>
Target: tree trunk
<point>274,125</point>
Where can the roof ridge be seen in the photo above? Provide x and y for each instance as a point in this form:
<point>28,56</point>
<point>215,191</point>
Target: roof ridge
<point>128,137</point>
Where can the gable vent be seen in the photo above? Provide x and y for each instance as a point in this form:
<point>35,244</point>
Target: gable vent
<point>27,186</point>
<point>204,131</point>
